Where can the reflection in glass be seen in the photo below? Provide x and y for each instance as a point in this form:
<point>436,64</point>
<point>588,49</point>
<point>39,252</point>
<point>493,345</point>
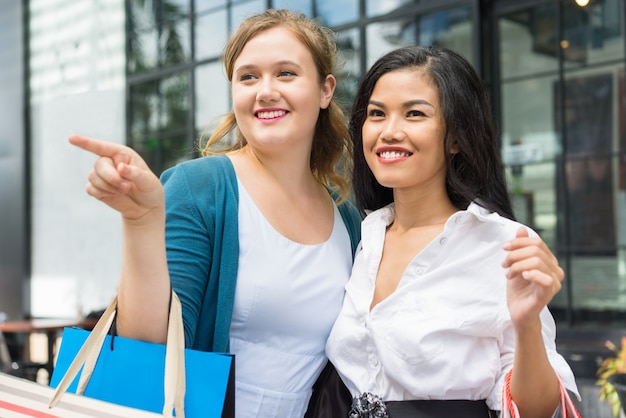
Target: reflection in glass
<point>175,8</point>
<point>377,7</point>
<point>144,108</point>
<point>149,14</point>
<point>531,40</point>
<point>592,34</point>
<point>382,37</point>
<point>337,12</point>
<point>176,148</point>
<point>211,34</point>
<point>159,112</point>
<point>242,11</point>
<point>528,117</point>
<point>528,41</point>
<point>212,95</point>
<point>448,28</point>
<point>530,145</point>
<point>143,51</point>
<point>142,14</point>
<point>531,151</point>
<point>158,35</point>
<point>350,67</point>
<point>303,6</point>
<point>204,5</point>
<point>588,183</point>
<point>175,102</point>
<point>174,43</point>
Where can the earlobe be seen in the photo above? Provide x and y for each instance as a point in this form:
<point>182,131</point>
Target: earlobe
<point>328,89</point>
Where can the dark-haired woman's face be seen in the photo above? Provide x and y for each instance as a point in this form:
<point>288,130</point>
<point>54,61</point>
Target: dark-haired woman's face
<point>403,132</point>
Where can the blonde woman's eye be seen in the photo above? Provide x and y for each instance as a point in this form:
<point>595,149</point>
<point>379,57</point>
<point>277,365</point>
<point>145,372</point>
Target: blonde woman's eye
<point>286,73</point>
<point>246,77</point>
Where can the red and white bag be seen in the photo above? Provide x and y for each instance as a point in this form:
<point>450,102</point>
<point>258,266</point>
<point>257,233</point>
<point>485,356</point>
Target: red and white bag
<point>509,409</point>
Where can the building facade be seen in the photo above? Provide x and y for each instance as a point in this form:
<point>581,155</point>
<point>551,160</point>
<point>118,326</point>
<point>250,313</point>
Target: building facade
<point>148,73</point>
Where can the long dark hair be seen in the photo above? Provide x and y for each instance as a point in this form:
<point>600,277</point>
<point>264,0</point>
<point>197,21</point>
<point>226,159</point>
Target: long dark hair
<point>475,172</point>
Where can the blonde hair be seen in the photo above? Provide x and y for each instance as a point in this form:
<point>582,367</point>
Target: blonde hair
<point>332,147</point>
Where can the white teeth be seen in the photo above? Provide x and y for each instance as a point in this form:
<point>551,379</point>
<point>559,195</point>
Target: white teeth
<point>271,115</point>
<point>393,154</point>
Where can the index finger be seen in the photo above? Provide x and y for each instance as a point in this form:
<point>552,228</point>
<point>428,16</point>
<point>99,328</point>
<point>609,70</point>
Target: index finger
<point>96,146</point>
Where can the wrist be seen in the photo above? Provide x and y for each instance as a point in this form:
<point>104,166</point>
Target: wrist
<point>152,218</point>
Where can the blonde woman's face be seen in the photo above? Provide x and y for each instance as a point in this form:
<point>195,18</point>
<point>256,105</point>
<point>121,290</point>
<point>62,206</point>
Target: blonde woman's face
<point>277,94</point>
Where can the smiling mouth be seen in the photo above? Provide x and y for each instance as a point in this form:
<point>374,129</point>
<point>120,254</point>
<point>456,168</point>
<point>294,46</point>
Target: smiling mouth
<point>272,114</point>
<point>390,155</point>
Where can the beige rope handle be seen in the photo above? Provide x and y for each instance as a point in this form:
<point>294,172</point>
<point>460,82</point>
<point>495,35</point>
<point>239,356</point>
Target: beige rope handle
<point>93,343</point>
<point>174,379</point>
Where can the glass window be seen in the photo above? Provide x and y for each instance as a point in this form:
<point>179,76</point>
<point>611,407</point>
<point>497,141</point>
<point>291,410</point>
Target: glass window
<point>592,34</point>
<point>144,108</point>
<point>175,102</point>
<point>212,96</point>
<point>204,5</point>
<point>384,36</point>
<point>175,8</point>
<point>350,67</point>
<point>242,11</point>
<point>174,43</point>
<point>160,116</point>
<point>563,143</point>
<point>590,188</point>
<point>165,46</point>
<point>337,12</point>
<point>149,14</point>
<point>303,6</point>
<point>528,42</point>
<point>142,14</point>
<point>211,34</point>
<point>530,144</point>
<point>143,51</point>
<point>448,28</point>
<point>377,7</point>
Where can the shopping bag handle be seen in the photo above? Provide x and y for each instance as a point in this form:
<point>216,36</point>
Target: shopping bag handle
<point>174,379</point>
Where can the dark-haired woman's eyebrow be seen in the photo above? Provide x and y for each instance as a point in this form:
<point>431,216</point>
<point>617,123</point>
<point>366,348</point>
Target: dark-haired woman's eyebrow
<point>410,103</point>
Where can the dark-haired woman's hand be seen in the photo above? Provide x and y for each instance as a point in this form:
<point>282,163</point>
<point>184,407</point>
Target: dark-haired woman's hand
<point>534,277</point>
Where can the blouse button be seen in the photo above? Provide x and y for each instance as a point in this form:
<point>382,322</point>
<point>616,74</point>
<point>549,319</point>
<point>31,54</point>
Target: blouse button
<point>419,270</point>
<point>373,360</point>
<point>443,241</point>
<point>457,220</point>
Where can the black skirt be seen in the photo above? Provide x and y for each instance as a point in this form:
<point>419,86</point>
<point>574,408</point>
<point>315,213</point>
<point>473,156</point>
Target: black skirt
<point>438,409</point>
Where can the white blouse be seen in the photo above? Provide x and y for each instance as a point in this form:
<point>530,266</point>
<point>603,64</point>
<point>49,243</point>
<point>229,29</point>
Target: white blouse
<point>286,300</point>
<point>446,332</point>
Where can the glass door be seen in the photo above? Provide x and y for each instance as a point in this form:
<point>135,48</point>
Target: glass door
<point>561,104</point>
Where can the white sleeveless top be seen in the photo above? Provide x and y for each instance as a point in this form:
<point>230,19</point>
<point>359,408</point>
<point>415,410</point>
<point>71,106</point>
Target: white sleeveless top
<point>286,300</point>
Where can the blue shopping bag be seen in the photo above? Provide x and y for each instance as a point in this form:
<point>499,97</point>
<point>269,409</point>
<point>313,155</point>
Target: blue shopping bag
<point>133,373</point>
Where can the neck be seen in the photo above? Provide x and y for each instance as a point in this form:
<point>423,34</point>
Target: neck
<point>291,171</point>
<point>420,211</point>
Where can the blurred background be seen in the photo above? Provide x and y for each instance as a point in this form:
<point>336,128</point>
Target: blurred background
<point>148,73</point>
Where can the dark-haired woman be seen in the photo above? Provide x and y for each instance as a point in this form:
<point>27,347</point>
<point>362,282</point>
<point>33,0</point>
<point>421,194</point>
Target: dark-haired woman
<point>448,296</point>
